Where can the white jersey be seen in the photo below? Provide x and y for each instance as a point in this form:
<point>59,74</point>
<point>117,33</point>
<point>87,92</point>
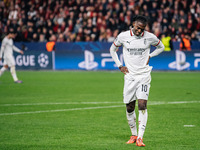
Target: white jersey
<point>136,51</point>
<point>7,48</point>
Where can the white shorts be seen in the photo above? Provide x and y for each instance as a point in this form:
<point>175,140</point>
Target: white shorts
<point>136,89</point>
<point>10,61</point>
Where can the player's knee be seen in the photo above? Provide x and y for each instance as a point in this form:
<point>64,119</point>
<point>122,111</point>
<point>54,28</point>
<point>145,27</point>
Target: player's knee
<point>142,105</point>
<point>6,66</point>
<point>129,108</point>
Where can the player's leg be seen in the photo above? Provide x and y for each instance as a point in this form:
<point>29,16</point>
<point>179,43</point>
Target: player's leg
<point>131,117</point>
<point>142,94</point>
<point>13,73</point>
<point>3,69</point>
<point>143,115</point>
<point>129,100</point>
<point>11,64</point>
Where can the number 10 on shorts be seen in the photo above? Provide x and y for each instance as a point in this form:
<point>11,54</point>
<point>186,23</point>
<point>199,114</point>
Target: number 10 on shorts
<point>144,88</point>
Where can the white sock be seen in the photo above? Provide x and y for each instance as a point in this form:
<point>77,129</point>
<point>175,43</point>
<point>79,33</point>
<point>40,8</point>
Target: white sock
<point>143,115</point>
<point>131,117</point>
<point>13,73</point>
<point>2,70</point>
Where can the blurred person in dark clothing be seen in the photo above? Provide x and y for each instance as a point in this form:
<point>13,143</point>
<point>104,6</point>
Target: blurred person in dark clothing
<point>30,34</point>
<point>182,23</point>
<point>95,33</point>
<point>165,24</point>
<point>174,23</point>
<point>35,37</point>
<point>1,13</point>
<point>19,36</point>
<point>173,33</point>
<point>194,36</point>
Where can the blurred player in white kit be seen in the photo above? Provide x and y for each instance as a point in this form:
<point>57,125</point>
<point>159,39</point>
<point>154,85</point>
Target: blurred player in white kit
<point>6,53</point>
<point>136,44</point>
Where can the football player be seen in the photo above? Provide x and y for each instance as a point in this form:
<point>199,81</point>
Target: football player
<point>136,44</point>
<point>6,52</point>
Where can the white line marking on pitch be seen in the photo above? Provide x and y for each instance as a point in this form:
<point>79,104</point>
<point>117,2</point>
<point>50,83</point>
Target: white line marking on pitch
<point>59,110</point>
<point>87,108</point>
<point>67,103</point>
<point>76,103</point>
<point>189,125</point>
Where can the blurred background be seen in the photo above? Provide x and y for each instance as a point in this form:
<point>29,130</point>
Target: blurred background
<point>100,20</point>
<point>78,25</point>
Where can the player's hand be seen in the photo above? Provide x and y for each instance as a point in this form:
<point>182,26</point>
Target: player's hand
<point>148,61</point>
<point>124,70</point>
<point>21,52</point>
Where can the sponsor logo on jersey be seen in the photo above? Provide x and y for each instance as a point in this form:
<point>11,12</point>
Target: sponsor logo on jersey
<point>135,51</point>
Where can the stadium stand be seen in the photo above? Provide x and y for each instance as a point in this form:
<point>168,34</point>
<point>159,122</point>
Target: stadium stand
<point>96,20</point>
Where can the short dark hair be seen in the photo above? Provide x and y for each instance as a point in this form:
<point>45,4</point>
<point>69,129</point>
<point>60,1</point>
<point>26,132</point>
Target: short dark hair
<point>140,18</point>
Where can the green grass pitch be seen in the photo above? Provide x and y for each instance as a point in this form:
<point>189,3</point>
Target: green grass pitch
<point>66,110</point>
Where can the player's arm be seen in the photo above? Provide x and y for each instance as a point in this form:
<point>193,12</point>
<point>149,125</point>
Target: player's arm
<point>159,49</point>
<point>17,49</point>
<point>2,49</point>
<point>158,44</point>
<point>113,52</point>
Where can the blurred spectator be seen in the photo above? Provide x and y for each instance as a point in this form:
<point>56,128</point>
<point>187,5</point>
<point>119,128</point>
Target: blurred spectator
<point>102,36</point>
<point>32,12</point>
<point>198,24</point>
<point>167,42</point>
<point>35,37</point>
<point>42,38</point>
<point>13,13</point>
<point>156,28</point>
<point>174,23</point>
<point>110,37</point>
<point>60,38</point>
<point>50,46</point>
<point>89,20</point>
<point>30,34</point>
<point>185,44</point>
<point>194,36</point>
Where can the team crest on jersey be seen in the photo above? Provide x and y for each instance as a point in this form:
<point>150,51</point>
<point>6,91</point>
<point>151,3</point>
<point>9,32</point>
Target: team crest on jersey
<point>145,41</point>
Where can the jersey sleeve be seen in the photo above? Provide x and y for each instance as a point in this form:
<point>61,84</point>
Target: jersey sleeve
<point>16,49</point>
<point>154,40</point>
<point>117,42</point>
<point>158,44</point>
<point>114,47</point>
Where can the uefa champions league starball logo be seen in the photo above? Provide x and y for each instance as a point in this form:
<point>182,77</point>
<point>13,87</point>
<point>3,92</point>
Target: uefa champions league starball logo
<point>43,60</point>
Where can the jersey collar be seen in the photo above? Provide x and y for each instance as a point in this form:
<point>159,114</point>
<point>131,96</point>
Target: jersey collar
<point>132,34</point>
